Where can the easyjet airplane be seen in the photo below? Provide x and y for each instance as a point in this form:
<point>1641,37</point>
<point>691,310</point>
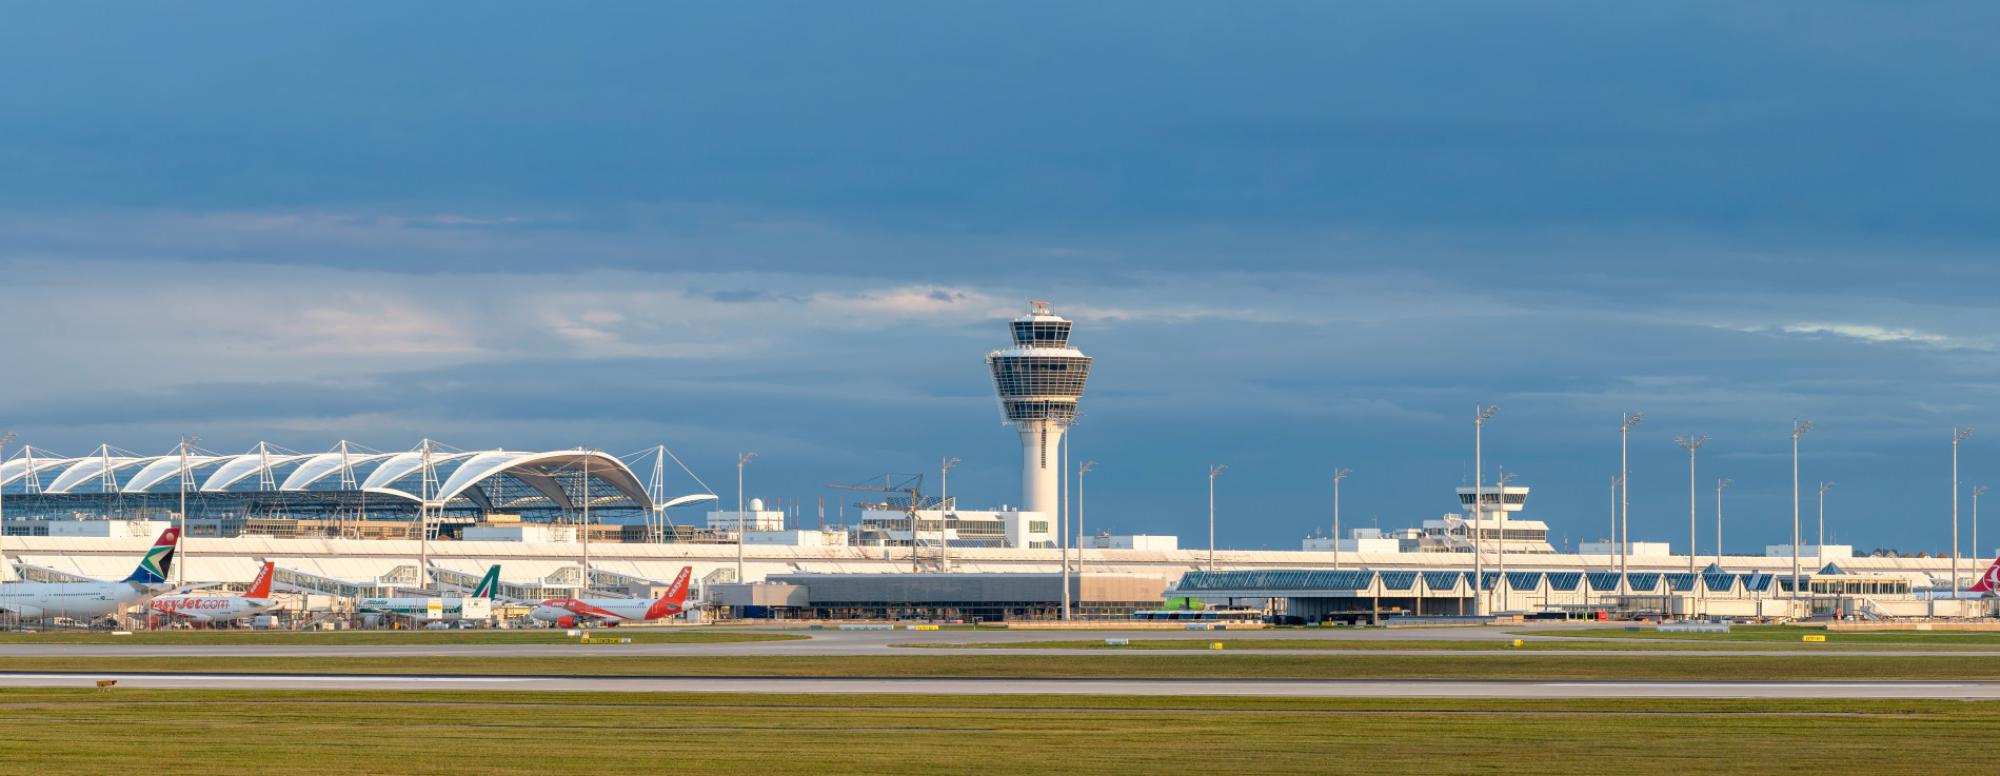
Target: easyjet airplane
<point>221,608</point>
<point>573,612</point>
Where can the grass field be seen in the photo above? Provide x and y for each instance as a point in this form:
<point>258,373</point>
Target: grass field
<point>222,733</point>
<point>1772,634</point>
<point>1447,645</point>
<point>1604,666</point>
<point>378,638</point>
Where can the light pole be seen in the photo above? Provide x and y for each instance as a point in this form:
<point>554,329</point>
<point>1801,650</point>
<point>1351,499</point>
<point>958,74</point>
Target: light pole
<point>1612,538</point>
<point>1958,435</point>
<point>742,460</point>
<point>1080,471</point>
<point>1977,490</point>
<point>1338,475</point>
<point>1480,414</point>
<point>945,465</point>
<point>1819,554</point>
<point>1500,485</point>
<point>1720,486</point>
<point>4,439</point>
<point>1799,429</point>
<point>1625,424</point>
<point>1214,470</point>
<point>1691,443</point>
<point>180,567</point>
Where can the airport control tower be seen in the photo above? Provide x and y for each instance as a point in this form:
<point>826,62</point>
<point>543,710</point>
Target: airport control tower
<point>1039,380</point>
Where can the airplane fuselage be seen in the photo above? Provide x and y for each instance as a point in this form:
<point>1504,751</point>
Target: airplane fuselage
<point>82,600</point>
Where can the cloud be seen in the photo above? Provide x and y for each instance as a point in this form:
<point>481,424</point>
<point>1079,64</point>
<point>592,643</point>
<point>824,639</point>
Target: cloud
<point>1871,333</point>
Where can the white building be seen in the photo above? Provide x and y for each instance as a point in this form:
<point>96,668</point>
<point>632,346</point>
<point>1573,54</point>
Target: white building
<point>1370,540</point>
<point>111,529</point>
<point>756,518</point>
<point>796,538</point>
<point>537,533</point>
<point>1638,549</point>
<point>1827,552</point>
<point>1152,542</point>
<point>961,527</point>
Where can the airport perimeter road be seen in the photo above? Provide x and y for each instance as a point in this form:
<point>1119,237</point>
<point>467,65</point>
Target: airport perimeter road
<point>1104,687</point>
<point>956,642</point>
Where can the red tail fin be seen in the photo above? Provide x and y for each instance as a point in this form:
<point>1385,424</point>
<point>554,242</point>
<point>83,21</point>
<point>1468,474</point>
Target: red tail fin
<point>676,595</point>
<point>1989,582</point>
<point>261,586</point>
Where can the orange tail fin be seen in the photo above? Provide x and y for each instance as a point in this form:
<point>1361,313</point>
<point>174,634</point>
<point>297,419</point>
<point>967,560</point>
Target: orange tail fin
<point>261,586</point>
<point>676,595</point>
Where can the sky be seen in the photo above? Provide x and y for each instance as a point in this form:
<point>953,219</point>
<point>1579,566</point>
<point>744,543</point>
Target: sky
<point>1295,236</point>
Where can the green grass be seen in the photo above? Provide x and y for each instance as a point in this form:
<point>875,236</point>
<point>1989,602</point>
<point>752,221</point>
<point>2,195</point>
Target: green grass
<point>1769,634</point>
<point>314,733</point>
<point>1598,666</point>
<point>1440,645</point>
<point>383,637</point>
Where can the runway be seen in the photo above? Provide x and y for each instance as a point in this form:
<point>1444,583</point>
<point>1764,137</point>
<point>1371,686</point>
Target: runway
<point>1073,687</point>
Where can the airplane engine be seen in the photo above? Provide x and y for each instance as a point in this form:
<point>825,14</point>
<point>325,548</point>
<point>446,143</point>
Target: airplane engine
<point>566,621</point>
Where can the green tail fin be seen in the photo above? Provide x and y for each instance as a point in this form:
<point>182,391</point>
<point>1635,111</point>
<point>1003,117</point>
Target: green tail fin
<point>488,584</point>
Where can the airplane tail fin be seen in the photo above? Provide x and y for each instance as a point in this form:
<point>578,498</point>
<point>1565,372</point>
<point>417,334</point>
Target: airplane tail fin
<point>676,595</point>
<point>153,567</point>
<point>261,586</point>
<point>1989,582</point>
<point>489,584</point>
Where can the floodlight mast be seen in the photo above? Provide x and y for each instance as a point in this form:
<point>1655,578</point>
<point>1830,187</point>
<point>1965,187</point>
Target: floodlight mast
<point>945,508</point>
<point>1977,491</point>
<point>1691,443</point>
<point>1338,475</point>
<point>1820,553</point>
<point>1500,484</point>
<point>180,566</point>
<point>1958,436</point>
<point>1214,470</point>
<point>1799,429</point>
<point>742,460</point>
<point>1081,470</point>
<point>1720,486</point>
<point>1625,424</point>
<point>1480,414</point>
<point>4,439</point>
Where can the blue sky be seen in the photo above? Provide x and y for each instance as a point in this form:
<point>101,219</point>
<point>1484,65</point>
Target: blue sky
<point>1296,236</point>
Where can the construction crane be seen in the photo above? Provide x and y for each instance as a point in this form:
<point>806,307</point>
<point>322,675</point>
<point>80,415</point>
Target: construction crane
<point>911,485</point>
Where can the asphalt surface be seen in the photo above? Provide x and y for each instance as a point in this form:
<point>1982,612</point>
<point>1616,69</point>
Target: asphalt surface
<point>1140,687</point>
<point>872,642</point>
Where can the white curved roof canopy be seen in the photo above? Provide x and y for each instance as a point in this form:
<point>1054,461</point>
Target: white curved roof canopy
<point>17,469</point>
<point>536,469</point>
<point>242,466</point>
<point>402,465</point>
<point>325,465</point>
<point>89,470</point>
<point>167,467</point>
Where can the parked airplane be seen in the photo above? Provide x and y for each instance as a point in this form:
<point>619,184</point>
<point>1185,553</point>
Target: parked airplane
<point>572,612</point>
<point>221,608</point>
<point>1989,583</point>
<point>90,600</point>
<point>448,609</point>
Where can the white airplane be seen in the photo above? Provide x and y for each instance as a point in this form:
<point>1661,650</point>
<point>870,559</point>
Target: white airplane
<point>220,608</point>
<point>572,612</point>
<point>449,609</point>
<point>1988,586</point>
<point>90,600</point>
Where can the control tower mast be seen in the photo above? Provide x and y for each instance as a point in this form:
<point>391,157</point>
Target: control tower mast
<point>1039,380</point>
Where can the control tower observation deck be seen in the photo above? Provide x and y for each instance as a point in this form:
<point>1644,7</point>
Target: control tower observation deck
<point>1039,380</point>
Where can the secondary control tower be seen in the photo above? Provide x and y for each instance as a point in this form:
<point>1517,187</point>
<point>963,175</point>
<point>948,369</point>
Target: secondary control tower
<point>1039,380</point>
